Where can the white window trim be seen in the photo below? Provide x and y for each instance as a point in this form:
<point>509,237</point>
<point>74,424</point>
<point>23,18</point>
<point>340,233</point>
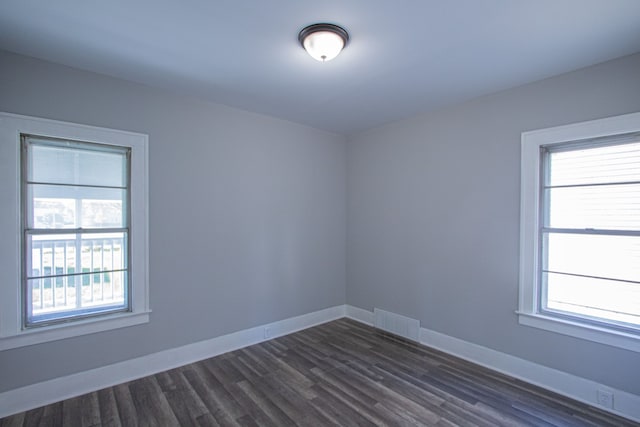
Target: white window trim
<point>12,334</point>
<point>528,313</point>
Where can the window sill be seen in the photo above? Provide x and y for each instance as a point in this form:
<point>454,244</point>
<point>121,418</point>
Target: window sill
<point>73,329</point>
<point>579,330</point>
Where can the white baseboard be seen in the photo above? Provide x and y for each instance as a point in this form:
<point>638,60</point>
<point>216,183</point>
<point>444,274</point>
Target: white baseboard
<point>624,404</point>
<point>46,392</point>
<point>359,314</point>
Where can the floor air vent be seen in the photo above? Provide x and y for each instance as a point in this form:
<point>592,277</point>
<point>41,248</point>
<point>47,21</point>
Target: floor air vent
<point>397,324</point>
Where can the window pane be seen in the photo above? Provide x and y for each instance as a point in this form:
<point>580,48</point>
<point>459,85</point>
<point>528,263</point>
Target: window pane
<point>58,302</point>
<point>54,206</point>
<point>614,163</point>
<point>69,165</point>
<point>607,207</point>
<point>49,213</point>
<point>51,253</point>
<point>97,292</point>
<point>102,214</point>
<point>614,257</point>
<point>105,251</point>
<point>597,298</point>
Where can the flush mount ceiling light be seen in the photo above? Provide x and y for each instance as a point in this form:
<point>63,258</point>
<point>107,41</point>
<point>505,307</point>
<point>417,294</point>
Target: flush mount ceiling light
<point>323,41</point>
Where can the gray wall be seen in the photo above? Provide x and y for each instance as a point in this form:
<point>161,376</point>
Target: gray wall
<point>433,216</point>
<point>247,215</point>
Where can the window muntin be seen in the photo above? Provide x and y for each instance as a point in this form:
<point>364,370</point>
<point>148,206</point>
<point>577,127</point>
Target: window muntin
<point>75,229</point>
<point>590,232</point>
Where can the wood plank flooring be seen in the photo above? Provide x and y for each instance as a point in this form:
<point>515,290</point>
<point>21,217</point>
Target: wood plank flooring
<point>340,373</point>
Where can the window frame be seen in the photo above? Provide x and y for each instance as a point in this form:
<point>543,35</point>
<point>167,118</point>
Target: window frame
<point>13,332</point>
<point>530,312</point>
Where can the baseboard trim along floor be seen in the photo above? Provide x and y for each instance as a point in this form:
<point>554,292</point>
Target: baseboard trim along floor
<point>40,394</point>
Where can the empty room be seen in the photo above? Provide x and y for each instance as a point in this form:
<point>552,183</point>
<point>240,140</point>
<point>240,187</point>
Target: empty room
<point>351,213</point>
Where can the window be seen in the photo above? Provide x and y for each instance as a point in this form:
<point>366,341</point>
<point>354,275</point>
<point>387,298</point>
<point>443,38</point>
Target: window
<point>580,230</point>
<point>76,257</point>
<point>75,229</point>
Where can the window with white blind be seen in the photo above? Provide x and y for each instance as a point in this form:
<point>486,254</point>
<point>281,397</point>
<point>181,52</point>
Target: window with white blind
<point>580,230</point>
<point>74,226</point>
<point>590,233</point>
<point>75,229</point>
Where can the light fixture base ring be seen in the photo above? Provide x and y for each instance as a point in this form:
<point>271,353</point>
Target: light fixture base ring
<point>314,28</point>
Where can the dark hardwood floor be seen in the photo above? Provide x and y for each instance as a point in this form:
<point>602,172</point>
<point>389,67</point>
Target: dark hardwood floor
<point>340,373</point>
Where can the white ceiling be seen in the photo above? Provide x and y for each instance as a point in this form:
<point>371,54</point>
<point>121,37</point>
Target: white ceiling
<point>405,56</point>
